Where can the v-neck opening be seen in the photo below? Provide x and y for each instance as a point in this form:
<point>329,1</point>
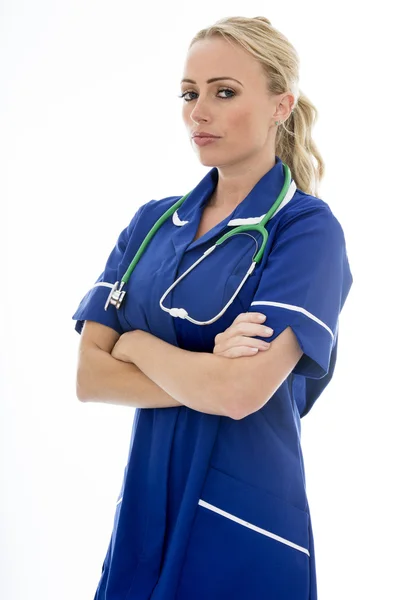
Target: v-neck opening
<point>208,234</point>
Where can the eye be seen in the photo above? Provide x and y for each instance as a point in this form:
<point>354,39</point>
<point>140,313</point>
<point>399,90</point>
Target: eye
<point>221,90</point>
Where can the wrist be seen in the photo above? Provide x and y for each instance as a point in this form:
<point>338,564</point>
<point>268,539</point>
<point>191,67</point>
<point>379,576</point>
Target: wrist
<point>130,343</point>
<point>124,348</point>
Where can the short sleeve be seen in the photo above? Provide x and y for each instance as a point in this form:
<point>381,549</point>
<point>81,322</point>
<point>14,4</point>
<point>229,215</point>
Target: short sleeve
<point>91,306</point>
<point>304,285</point>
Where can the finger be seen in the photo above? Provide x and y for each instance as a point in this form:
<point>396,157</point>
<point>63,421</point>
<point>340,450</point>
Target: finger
<point>239,351</point>
<point>239,331</point>
<point>247,317</point>
<point>249,324</point>
<point>245,324</point>
<point>247,329</point>
<point>252,317</point>
<point>240,341</point>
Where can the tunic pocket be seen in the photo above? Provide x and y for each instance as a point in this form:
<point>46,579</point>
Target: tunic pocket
<point>245,543</point>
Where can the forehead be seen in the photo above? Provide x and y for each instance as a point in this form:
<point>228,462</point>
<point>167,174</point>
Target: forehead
<point>215,57</point>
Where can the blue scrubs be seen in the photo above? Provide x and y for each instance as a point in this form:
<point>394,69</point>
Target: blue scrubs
<point>211,507</point>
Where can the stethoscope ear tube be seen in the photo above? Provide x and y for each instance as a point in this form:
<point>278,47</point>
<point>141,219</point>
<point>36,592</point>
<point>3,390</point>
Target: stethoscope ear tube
<point>182,313</point>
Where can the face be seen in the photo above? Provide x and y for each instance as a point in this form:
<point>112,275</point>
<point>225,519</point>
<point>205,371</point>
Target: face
<point>241,112</point>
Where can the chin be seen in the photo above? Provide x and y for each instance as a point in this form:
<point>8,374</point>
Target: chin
<point>207,163</point>
<point>214,161</point>
<point>206,157</point>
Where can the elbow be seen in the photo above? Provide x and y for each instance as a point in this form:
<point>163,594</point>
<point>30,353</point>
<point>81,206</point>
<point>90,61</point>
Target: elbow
<point>229,394</point>
<point>243,409</point>
<point>79,392</point>
<point>239,411</point>
<point>237,416</point>
<point>234,402</point>
<point>80,388</point>
<point>242,403</point>
<point>89,370</point>
<point>244,397</point>
<point>231,397</point>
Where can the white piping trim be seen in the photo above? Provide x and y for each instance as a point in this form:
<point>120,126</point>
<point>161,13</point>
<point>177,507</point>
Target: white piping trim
<point>249,220</point>
<point>120,500</point>
<point>176,220</point>
<point>103,283</point>
<point>254,220</point>
<point>254,527</point>
<point>296,308</point>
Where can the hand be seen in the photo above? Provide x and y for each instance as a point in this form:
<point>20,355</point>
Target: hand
<point>234,341</point>
<point>123,349</point>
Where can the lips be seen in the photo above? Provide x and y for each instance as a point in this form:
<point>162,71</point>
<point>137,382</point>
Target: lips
<point>204,135</point>
<point>204,141</point>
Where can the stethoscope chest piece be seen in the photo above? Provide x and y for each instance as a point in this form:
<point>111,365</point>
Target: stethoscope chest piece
<point>115,297</point>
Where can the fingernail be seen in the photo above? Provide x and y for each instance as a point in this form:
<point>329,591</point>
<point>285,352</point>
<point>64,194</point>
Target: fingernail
<point>261,317</point>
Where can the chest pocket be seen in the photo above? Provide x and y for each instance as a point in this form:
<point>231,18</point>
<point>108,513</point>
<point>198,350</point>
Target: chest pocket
<point>246,249</point>
<point>246,293</point>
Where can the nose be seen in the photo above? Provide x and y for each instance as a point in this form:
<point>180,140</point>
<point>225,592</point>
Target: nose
<point>200,111</point>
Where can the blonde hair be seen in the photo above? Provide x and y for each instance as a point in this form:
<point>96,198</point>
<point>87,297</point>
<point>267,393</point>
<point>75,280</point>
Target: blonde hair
<point>280,62</point>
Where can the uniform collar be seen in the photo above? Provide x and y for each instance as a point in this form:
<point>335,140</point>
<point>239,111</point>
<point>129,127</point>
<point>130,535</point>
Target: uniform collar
<point>250,211</point>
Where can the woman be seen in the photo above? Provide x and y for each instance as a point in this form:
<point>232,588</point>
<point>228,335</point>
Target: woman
<point>213,501</point>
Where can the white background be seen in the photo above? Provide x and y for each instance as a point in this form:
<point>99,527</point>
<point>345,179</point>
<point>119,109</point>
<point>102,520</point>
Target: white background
<point>91,128</point>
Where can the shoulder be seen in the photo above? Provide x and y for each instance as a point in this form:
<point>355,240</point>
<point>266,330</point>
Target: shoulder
<point>148,213</point>
<point>309,213</point>
<point>161,205</point>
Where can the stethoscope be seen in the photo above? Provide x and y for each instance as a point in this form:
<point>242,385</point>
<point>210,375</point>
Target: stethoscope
<point>116,296</point>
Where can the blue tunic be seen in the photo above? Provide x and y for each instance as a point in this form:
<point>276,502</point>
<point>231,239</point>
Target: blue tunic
<point>212,507</point>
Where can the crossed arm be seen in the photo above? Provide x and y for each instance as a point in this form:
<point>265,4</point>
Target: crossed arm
<point>140,370</point>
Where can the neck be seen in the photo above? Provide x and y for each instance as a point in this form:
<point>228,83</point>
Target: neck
<point>235,183</point>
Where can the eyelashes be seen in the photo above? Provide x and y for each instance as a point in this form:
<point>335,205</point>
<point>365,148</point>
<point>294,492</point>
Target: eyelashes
<point>221,90</point>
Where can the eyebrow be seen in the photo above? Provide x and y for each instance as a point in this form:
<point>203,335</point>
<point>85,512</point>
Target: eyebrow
<point>213,79</point>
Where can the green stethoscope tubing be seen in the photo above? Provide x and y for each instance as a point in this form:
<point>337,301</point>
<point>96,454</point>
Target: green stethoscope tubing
<point>116,296</point>
<point>260,227</point>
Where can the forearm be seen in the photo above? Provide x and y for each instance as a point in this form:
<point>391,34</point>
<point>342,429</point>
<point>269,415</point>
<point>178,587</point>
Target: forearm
<point>195,379</point>
<point>102,378</point>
